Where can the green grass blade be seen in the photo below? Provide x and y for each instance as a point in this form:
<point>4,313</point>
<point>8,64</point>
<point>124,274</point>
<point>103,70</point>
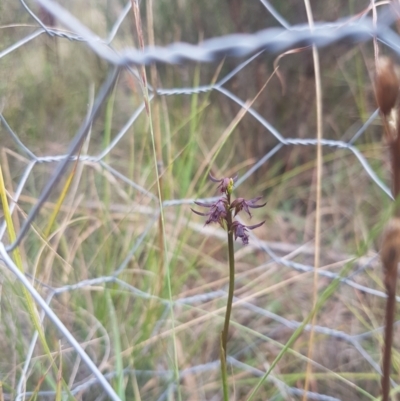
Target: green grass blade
<point>59,378</point>
<point>321,301</point>
<point>32,310</point>
<point>117,347</point>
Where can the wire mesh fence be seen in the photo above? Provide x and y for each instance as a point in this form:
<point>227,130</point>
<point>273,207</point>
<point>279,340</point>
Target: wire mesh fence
<point>89,370</point>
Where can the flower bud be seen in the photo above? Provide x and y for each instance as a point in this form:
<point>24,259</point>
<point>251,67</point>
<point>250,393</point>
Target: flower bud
<point>386,85</point>
<point>229,188</point>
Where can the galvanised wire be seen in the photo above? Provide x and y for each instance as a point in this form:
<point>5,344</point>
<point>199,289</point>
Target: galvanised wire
<point>57,322</point>
<point>249,46</point>
<point>273,40</point>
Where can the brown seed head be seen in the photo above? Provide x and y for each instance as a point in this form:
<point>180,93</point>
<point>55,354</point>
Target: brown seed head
<point>386,85</point>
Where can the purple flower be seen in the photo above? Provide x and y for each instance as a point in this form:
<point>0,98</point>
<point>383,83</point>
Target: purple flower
<point>239,230</point>
<point>221,211</point>
<point>225,184</point>
<point>240,204</point>
<point>217,213</point>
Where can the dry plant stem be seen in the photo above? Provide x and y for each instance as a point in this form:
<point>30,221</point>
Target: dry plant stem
<point>395,159</point>
<point>390,252</point>
<point>318,90</point>
<point>157,135</point>
<point>389,134</point>
<point>388,340</point>
<point>390,255</point>
<point>375,41</point>
<point>158,142</point>
<point>396,9</point>
<point>154,82</point>
<point>164,253</point>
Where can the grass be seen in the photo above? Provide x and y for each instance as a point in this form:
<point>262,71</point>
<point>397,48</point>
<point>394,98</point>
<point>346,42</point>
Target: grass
<point>135,325</point>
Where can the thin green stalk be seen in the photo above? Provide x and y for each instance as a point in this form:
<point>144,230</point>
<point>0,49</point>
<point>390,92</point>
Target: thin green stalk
<point>321,301</point>
<point>138,23</point>
<point>224,334</point>
<point>224,372</point>
<point>231,257</point>
<point>119,363</point>
<point>221,212</point>
<point>32,309</point>
<point>59,375</point>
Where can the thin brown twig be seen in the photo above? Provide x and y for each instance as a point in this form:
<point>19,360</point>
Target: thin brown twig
<point>390,255</point>
<point>318,94</point>
<point>386,91</point>
<point>162,236</point>
<point>158,141</point>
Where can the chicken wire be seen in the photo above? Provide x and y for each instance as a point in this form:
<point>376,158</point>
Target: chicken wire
<point>247,46</point>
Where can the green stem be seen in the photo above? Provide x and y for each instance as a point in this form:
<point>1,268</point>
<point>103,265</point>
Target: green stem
<point>224,334</point>
<point>231,279</point>
<point>224,372</point>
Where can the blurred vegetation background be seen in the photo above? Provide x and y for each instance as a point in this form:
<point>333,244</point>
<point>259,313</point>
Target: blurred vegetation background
<point>46,86</point>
